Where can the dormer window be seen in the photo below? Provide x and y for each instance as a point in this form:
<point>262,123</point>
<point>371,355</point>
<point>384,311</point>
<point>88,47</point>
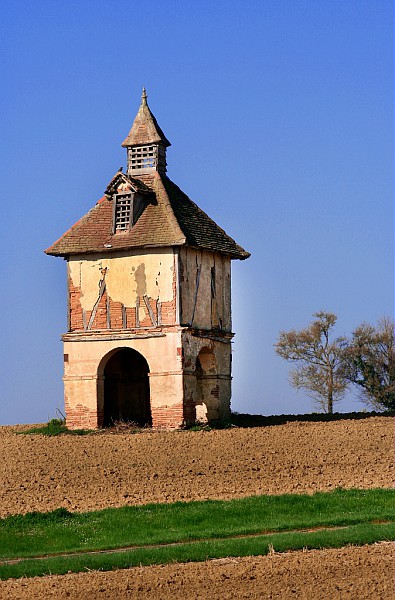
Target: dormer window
<point>127,210</point>
<point>122,211</point>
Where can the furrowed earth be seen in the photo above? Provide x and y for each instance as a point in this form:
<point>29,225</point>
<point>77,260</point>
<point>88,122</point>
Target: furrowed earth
<point>96,471</point>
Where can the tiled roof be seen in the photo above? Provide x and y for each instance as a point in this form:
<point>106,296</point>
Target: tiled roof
<point>170,218</point>
<point>120,178</point>
<point>145,128</point>
<point>200,231</point>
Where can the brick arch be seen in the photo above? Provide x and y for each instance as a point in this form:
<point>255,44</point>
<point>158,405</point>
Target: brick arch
<point>123,377</point>
<point>206,361</point>
<point>206,386</point>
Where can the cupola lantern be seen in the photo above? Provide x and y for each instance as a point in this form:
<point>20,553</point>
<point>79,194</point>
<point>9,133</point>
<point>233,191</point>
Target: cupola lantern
<point>146,143</point>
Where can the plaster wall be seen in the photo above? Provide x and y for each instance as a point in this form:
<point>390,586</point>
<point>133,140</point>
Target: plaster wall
<point>84,382</point>
<point>131,279</point>
<point>207,378</point>
<point>198,308</point>
<point>189,375</point>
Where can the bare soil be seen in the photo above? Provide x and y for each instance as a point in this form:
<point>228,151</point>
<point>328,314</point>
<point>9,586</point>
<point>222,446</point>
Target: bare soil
<point>97,471</point>
<point>365,573</point>
<point>102,470</point>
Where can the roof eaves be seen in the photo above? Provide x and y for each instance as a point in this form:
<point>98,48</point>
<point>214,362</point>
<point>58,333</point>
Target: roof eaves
<point>51,252</point>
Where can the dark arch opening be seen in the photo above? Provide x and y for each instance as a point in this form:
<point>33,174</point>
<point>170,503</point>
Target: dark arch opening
<point>206,370</point>
<point>126,389</point>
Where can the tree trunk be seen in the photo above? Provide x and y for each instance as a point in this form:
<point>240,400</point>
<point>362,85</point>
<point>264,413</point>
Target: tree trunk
<point>330,393</point>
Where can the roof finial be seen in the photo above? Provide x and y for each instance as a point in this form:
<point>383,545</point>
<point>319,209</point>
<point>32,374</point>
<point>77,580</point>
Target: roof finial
<point>144,96</point>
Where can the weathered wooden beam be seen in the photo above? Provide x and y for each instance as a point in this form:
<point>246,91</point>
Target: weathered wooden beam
<point>150,311</point>
<point>108,316</point>
<point>137,311</point>
<point>196,294</point>
<point>102,289</point>
<point>159,311</point>
<point>124,320</point>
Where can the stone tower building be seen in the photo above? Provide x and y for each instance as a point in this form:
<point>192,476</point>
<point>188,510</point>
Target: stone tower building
<point>149,305</point>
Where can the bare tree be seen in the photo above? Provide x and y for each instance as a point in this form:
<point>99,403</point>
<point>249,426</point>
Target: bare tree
<point>369,363</point>
<point>318,360</point>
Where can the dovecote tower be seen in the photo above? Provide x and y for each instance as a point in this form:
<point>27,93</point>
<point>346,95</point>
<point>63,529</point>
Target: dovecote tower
<point>149,299</point>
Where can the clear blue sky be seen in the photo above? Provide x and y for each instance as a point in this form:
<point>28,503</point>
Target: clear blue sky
<point>281,123</point>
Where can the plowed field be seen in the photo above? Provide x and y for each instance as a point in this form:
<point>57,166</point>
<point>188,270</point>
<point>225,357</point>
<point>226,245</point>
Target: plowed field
<point>101,470</point>
<point>352,573</point>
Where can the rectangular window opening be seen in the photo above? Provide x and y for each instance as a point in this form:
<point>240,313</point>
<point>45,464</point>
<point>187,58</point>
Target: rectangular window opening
<point>123,205</point>
<point>127,210</point>
<point>141,158</point>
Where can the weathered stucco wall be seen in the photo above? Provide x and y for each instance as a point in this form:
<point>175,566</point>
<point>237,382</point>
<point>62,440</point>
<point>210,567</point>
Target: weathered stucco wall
<point>171,306</point>
<point>189,377</point>
<point>205,290</point>
<point>122,290</point>
<point>207,378</point>
<point>84,382</point>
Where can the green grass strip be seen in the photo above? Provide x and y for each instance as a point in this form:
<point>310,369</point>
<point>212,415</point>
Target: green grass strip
<point>200,551</point>
<point>54,427</point>
<point>57,532</point>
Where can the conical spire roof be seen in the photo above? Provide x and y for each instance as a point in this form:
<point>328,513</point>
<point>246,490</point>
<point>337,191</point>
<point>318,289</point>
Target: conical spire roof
<point>145,129</point>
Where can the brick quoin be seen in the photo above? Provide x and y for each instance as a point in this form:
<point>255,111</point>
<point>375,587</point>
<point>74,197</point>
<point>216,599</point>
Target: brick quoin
<point>75,309</point>
<point>79,417</point>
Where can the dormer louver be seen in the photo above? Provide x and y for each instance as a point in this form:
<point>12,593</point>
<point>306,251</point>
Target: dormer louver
<point>123,205</point>
<point>127,209</point>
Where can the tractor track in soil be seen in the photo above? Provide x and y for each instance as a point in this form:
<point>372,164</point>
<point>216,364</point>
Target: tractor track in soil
<point>94,472</point>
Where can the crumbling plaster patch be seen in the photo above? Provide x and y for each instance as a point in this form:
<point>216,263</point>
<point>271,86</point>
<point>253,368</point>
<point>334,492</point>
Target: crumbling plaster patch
<point>127,277</point>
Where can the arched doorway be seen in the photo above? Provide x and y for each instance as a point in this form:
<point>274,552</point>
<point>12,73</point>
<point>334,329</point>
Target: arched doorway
<point>206,406</point>
<point>126,388</point>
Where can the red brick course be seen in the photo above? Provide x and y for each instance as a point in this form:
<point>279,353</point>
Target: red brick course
<point>80,417</point>
<point>168,417</point>
<point>75,309</point>
<point>117,313</point>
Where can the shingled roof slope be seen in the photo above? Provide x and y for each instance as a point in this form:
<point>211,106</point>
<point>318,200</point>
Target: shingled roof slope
<point>156,226</point>
<point>145,128</point>
<point>199,229</point>
<point>169,219</point>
